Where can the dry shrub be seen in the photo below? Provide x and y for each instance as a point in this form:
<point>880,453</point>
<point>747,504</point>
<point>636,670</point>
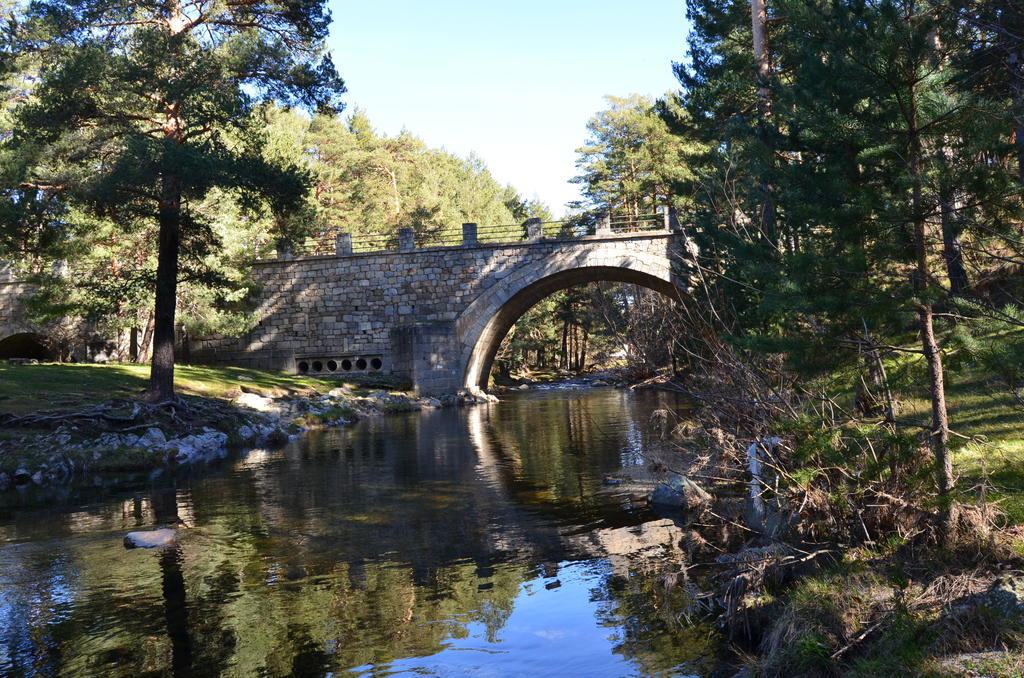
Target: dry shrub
<point>977,628</point>
<point>976,524</point>
<point>823,618</point>
<point>694,545</point>
<point>888,512</point>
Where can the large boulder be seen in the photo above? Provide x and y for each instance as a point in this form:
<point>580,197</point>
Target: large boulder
<point>679,492</point>
<point>1005,597</point>
<point>150,539</point>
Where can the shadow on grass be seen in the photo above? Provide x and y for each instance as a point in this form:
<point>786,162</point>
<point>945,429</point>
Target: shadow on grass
<point>58,386</point>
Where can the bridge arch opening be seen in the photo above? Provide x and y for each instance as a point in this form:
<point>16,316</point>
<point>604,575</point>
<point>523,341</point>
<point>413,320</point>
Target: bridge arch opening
<point>496,315</point>
<point>24,345</point>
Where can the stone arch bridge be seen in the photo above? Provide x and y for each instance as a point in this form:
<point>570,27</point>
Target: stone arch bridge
<point>437,314</point>
<point>434,314</point>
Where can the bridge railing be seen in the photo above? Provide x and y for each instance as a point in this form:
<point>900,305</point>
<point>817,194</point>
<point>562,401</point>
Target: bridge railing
<point>331,242</point>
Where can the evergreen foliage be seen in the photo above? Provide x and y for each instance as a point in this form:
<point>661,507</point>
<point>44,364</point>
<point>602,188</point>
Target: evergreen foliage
<point>138,110</point>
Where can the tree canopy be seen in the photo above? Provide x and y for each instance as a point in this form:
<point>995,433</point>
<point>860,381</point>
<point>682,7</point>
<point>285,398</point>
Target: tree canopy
<point>136,111</point>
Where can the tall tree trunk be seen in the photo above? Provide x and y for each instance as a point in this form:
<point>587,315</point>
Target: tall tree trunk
<point>1018,100</point>
<point>584,340</point>
<point>133,344</point>
<point>147,340</point>
<point>951,250</point>
<point>759,29</point>
<point>563,360</point>
<point>939,433</point>
<point>161,376</point>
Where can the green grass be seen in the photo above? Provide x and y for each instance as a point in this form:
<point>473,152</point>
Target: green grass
<point>988,440</point>
<point>987,424</point>
<point>30,388</point>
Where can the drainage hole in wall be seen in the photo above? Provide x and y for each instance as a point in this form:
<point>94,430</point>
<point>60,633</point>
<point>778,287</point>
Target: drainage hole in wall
<point>376,363</point>
<point>303,366</point>
<point>332,366</point>
<point>318,366</point>
<point>361,364</point>
<point>346,364</point>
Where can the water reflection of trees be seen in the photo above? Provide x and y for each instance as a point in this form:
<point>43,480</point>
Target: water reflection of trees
<point>356,550</point>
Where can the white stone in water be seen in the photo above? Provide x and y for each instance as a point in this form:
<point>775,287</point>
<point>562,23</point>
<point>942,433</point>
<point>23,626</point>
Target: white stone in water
<point>150,539</point>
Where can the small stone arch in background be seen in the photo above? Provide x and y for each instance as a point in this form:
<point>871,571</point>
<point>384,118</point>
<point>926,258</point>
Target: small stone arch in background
<point>25,345</point>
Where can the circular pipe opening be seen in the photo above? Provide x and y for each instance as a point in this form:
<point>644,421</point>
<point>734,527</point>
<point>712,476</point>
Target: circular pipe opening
<point>361,364</point>
<point>346,364</point>
<point>332,366</point>
<point>318,366</point>
<point>376,363</point>
<point>303,366</point>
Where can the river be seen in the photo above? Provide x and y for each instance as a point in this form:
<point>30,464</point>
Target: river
<point>482,541</point>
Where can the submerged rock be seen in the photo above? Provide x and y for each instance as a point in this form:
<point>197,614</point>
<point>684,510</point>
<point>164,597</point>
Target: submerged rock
<point>679,492</point>
<point>150,539</point>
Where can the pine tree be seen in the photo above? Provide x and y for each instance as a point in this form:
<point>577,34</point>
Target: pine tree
<point>631,161</point>
<point>142,108</point>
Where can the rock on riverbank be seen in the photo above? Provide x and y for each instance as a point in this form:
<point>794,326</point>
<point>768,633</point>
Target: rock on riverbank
<point>52,448</point>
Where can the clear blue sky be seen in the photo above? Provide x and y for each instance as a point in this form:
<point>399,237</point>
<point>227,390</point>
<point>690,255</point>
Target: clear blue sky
<point>514,82</point>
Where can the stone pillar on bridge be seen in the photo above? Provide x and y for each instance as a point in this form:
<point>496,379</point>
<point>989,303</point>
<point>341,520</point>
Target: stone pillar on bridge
<point>604,224</point>
<point>534,229</point>
<point>59,268</point>
<point>406,239</point>
<point>343,244</point>
<point>469,235</point>
<point>284,248</point>
<point>672,220</point>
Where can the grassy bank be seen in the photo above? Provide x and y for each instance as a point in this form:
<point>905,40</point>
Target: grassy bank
<point>987,427</point>
<point>58,421</point>
<point>31,388</point>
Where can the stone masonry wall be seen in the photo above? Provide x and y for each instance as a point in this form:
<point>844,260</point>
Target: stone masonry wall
<point>397,311</point>
<point>12,291</point>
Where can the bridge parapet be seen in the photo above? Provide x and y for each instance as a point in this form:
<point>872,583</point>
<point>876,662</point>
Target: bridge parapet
<point>336,242</point>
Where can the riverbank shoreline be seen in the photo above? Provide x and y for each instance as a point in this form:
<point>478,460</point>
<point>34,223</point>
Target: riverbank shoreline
<point>219,410</point>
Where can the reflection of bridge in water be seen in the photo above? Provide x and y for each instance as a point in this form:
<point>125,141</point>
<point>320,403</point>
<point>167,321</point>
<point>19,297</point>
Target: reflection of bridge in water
<point>474,483</point>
